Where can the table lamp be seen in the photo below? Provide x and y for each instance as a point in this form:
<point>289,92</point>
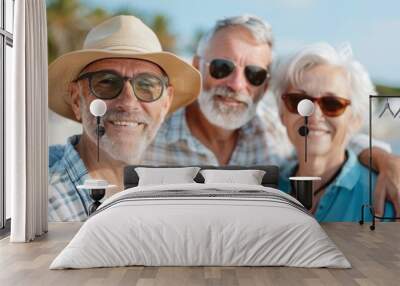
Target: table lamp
<point>305,108</point>
<point>98,108</point>
<point>304,185</point>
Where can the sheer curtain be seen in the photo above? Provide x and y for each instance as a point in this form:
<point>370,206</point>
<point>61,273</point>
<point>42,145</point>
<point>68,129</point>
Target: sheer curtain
<point>26,119</point>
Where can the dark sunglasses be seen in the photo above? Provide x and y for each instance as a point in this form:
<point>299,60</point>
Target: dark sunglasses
<point>106,84</point>
<point>221,68</point>
<point>330,105</point>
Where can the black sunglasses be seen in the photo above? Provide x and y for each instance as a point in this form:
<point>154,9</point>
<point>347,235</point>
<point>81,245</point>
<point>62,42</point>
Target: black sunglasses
<point>107,84</point>
<point>221,68</point>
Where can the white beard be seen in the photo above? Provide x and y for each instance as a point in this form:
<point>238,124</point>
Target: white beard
<point>131,156</point>
<point>223,116</point>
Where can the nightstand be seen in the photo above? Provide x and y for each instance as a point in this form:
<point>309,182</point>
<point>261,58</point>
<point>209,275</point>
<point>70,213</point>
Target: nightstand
<point>304,190</point>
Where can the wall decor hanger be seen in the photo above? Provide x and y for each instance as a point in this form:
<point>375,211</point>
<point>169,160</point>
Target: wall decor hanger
<point>387,107</point>
<point>369,205</point>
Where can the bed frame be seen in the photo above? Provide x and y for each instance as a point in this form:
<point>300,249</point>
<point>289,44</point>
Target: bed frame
<point>270,179</point>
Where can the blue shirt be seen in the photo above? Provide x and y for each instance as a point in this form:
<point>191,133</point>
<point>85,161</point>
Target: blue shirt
<point>66,172</point>
<point>343,198</point>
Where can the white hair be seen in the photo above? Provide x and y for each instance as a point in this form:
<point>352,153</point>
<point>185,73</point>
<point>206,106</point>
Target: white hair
<point>260,30</point>
<point>289,71</point>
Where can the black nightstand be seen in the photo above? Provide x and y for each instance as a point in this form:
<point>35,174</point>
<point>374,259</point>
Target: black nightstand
<point>97,191</point>
<point>304,190</point>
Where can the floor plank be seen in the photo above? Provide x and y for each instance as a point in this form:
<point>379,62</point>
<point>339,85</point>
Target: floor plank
<point>374,255</point>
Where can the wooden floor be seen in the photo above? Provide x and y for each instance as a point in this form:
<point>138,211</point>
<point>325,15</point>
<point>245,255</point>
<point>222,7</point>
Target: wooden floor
<point>374,255</point>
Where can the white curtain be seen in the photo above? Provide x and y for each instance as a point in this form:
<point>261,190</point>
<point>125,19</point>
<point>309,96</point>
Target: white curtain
<point>26,121</point>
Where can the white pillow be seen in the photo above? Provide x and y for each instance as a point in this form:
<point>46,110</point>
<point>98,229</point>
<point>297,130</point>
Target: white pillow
<point>162,176</point>
<point>248,177</point>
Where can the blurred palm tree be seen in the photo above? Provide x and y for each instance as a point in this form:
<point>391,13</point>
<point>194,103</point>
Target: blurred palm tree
<point>68,22</point>
<point>191,48</point>
<point>160,25</point>
<point>387,90</point>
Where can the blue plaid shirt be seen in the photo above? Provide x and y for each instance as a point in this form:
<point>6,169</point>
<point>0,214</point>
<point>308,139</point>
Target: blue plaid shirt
<point>175,145</point>
<point>343,198</point>
<point>66,172</point>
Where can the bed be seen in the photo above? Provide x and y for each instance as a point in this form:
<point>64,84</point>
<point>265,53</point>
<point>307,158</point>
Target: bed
<point>201,224</point>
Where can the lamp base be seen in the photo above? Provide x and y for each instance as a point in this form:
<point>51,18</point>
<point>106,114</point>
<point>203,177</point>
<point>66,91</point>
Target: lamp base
<point>304,193</point>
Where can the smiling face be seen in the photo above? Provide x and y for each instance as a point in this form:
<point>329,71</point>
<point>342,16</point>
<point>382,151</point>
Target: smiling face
<point>129,123</point>
<point>328,135</point>
<point>230,102</point>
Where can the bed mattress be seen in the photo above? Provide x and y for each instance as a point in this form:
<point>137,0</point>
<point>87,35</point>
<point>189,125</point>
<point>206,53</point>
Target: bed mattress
<point>201,225</point>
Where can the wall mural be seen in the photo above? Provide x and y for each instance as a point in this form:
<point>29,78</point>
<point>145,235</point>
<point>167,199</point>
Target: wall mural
<point>171,96</point>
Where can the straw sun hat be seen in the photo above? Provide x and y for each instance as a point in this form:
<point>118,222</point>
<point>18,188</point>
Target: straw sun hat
<point>120,37</point>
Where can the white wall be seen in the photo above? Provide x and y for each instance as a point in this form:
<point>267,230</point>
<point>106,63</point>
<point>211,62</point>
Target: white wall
<point>9,71</point>
<point>61,128</point>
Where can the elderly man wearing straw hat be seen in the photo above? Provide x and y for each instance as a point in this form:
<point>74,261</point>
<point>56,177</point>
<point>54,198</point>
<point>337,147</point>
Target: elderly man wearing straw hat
<point>123,64</point>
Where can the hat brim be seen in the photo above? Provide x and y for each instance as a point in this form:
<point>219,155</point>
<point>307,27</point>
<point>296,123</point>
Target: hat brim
<point>185,79</point>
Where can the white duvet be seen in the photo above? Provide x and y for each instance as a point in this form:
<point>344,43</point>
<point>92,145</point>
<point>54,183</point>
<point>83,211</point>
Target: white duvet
<point>223,224</point>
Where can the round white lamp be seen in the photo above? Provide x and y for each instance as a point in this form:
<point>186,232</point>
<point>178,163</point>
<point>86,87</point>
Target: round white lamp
<point>305,107</point>
<point>98,108</point>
